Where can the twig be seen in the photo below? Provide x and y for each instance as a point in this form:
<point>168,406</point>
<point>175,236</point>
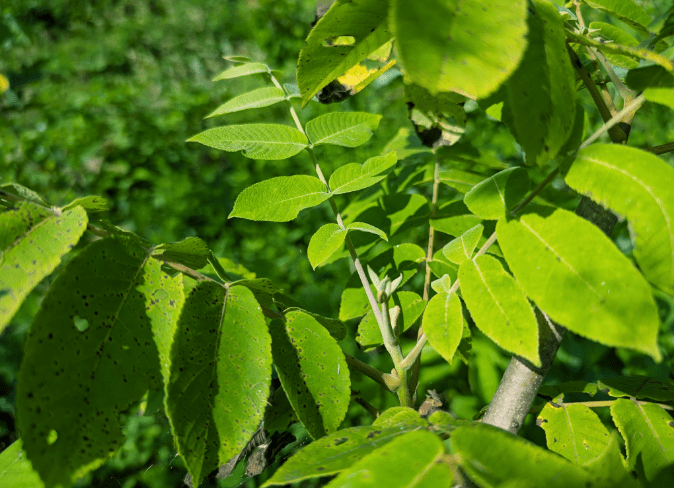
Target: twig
<point>665,148</point>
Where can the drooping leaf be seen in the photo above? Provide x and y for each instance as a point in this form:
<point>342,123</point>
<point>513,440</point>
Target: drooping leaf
<point>363,227</point>
<point>494,197</point>
<point>657,389</point>
<point>322,60</point>
<point>328,239</point>
<point>112,309</point>
<point>639,186</point>
<point>606,300</point>
<point>220,375</point>
<point>23,193</point>
<point>443,324</point>
<point>541,114</point>
<point>624,10</point>
<point>461,181</point>
<point>499,307</point>
<point>279,199</point>
<point>255,141</point>
<point>573,431</point>
<point>242,70</point>
<point>32,241</point>
<point>461,248</point>
<point>16,470</point>
<point>492,457</point>
<point>354,176</point>
<point>334,453</point>
<point>191,251</point>
<point>418,463</point>
<point>470,50</point>
<point>258,98</point>
<point>92,204</point>
<point>648,433</point>
<point>313,372</point>
<point>412,306</point>
<point>348,129</point>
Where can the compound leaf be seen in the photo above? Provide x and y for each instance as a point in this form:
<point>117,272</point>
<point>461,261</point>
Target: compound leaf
<point>639,186</point>
<point>313,372</point>
<point>324,243</point>
<point>220,375</point>
<point>258,98</point>
<point>499,307</point>
<point>32,241</point>
<point>606,300</point>
<point>573,431</point>
<point>279,199</point>
<point>106,309</point>
<point>255,141</point>
<point>354,176</point>
<point>470,50</point>
<point>494,197</point>
<point>348,129</point>
<point>322,60</point>
<point>443,324</point>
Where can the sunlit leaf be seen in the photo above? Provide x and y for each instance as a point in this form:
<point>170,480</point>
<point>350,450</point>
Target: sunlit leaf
<point>443,324</point>
<point>348,129</point>
<point>363,227</point>
<point>16,470</point>
<point>324,243</point>
<point>354,176</point>
<point>494,197</point>
<point>625,10</point>
<point>412,306</point>
<point>460,180</point>
<point>242,70</point>
<point>461,248</point>
<point>258,98</point>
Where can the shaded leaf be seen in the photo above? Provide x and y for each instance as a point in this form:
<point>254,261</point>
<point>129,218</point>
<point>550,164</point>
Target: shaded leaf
<point>461,181</point>
<point>32,241</point>
<point>279,199</point>
<point>92,204</point>
<point>255,141</point>
<point>354,176</point>
<point>23,193</point>
<point>326,241</point>
<point>642,387</point>
<point>192,252</point>
<point>573,431</point>
<point>499,307</point>
<point>606,300</point>
<point>348,129</point>
<point>220,376</point>
<point>610,32</point>
<point>69,404</point>
<point>471,50</point>
<point>494,197</point>
<point>461,248</point>
<point>258,98</point>
<point>443,324</point>
<point>624,10</point>
<point>640,186</point>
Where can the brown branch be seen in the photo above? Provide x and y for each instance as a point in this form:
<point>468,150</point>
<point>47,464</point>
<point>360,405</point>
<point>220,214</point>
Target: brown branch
<point>664,148</point>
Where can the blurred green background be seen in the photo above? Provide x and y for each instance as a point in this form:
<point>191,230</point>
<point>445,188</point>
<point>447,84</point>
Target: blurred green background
<point>102,97</point>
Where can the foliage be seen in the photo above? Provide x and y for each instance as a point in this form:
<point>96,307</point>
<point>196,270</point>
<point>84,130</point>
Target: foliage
<point>243,369</point>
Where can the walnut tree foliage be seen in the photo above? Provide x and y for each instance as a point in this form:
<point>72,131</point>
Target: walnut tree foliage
<point>240,362</point>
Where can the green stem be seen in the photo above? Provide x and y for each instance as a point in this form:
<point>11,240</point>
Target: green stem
<point>665,148</point>
<point>385,380</point>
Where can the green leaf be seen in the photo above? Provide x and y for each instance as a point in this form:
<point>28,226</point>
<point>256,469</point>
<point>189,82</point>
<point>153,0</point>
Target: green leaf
<point>406,211</point>
<point>334,453</point>
<point>553,391</point>
<point>461,181</point>
<point>540,114</point>
<point>494,197</point>
<point>16,470</point>
<point>242,70</point>
<point>348,129</point>
<point>322,61</point>
<point>606,300</point>
<point>335,327</point>
<point>470,50</point>
<point>610,32</point>
<point>647,431</point>
<point>418,462</point>
<point>461,248</point>
<point>573,431</point>
<point>91,204</point>
<point>657,389</point>
<point>23,193</point>
<point>279,199</point>
<point>509,458</point>
<point>313,372</point>
<point>442,285</point>
<point>412,306</point>
<point>220,376</point>
<point>441,266</point>
<point>399,416</point>
<point>69,403</point>
<point>454,218</point>
<point>192,252</point>
<point>640,186</point>
<point>499,307</point>
<point>258,98</point>
<point>443,324</point>
<point>663,96</point>
<point>255,141</point>
<point>609,469</point>
<point>624,10</point>
<point>32,241</point>
<point>354,176</point>
<point>362,226</point>
<point>324,243</point>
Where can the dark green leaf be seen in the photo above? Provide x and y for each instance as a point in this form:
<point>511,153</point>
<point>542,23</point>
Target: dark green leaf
<point>657,389</point>
<point>192,252</point>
